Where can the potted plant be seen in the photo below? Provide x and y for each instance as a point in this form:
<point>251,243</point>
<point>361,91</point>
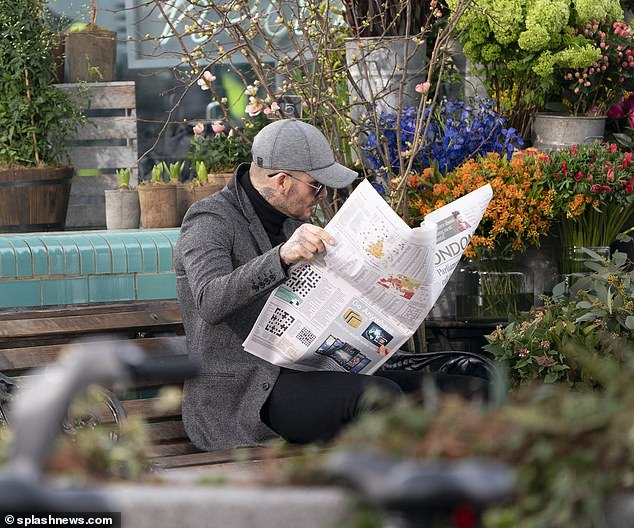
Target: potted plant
<point>157,201</point>
<point>222,150</point>
<point>386,55</point>
<point>91,50</point>
<point>36,119</point>
<point>122,204</point>
<point>201,186</point>
<point>525,51</point>
<point>174,173</point>
<point>595,311</point>
<point>584,91</point>
<point>593,186</point>
<point>493,283</point>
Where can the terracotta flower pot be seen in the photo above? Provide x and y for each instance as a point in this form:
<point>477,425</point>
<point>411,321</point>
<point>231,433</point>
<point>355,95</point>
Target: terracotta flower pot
<point>203,191</point>
<point>158,206</point>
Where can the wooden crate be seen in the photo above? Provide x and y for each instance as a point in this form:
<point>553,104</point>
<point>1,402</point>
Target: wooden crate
<point>106,142</point>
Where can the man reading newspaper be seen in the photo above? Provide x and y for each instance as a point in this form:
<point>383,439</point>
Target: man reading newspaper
<point>236,248</point>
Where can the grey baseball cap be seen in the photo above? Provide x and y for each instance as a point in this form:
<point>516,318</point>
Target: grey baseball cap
<point>289,144</point>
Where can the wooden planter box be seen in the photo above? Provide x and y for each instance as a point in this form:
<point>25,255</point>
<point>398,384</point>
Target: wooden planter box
<point>106,142</point>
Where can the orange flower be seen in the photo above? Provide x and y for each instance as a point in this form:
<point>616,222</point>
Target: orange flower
<point>520,211</point>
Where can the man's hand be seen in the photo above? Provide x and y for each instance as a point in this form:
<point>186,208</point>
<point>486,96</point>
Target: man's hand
<point>383,350</point>
<point>305,243</point>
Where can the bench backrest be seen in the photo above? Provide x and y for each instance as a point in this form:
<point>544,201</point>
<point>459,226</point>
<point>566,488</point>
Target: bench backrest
<point>29,340</point>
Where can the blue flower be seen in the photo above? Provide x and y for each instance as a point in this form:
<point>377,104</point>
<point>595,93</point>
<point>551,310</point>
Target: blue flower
<point>459,130</point>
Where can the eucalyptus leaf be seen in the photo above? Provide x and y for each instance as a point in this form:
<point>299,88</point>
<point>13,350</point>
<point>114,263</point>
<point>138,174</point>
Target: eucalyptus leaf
<point>586,318</point>
<point>629,322</point>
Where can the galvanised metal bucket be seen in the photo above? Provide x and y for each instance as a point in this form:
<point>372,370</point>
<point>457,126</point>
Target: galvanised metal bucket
<point>554,131</point>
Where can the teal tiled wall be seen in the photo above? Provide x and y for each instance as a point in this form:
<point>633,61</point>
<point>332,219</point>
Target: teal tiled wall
<point>50,269</point>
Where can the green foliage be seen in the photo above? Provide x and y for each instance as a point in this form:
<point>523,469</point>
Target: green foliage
<point>220,152</point>
<point>202,175</point>
<point>571,449</point>
<point>596,311</point>
<point>123,178</point>
<point>36,117</point>
<point>157,173</point>
<point>174,170</point>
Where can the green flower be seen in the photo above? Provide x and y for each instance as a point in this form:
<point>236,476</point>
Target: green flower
<point>580,57</point>
<point>545,22</point>
<point>589,10</point>
<point>491,52</point>
<point>506,20</point>
<point>545,64</point>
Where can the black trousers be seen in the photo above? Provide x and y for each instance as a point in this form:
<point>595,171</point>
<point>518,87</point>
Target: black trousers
<point>306,407</point>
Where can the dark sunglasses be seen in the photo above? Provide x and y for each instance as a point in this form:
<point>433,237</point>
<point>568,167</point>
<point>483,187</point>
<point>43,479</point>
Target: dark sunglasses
<point>317,188</point>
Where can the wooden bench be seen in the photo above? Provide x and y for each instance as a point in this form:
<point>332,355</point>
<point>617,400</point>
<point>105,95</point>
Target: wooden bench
<point>30,339</point>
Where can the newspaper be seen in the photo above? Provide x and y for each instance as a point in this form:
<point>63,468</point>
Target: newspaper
<point>373,288</point>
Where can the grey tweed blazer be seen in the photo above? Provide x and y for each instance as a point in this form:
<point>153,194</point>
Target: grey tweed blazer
<point>225,270</point>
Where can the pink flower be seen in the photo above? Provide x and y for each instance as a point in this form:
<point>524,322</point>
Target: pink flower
<point>254,107</point>
<point>218,127</point>
<point>595,188</point>
<point>423,87</point>
<point>610,174</point>
<point>564,168</point>
<point>270,109</point>
<point>579,176</point>
<point>205,80</point>
<point>198,128</point>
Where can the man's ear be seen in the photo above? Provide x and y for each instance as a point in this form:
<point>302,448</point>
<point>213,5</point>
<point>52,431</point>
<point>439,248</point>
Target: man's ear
<point>281,183</point>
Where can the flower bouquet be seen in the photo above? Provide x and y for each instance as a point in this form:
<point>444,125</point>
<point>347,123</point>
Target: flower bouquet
<point>620,123</point>
<point>527,51</point>
<point>591,73</point>
<point>519,213</point>
<point>458,130</point>
<point>593,186</point>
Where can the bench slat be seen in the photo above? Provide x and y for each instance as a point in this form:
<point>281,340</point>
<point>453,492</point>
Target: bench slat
<point>149,409</point>
<point>175,449</point>
<point>166,431</point>
<point>22,358</point>
<point>82,324</point>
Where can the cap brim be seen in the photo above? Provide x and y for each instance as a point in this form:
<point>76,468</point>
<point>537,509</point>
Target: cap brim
<point>336,176</point>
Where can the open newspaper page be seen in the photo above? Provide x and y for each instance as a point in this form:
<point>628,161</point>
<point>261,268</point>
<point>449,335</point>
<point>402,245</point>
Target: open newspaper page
<point>373,288</point>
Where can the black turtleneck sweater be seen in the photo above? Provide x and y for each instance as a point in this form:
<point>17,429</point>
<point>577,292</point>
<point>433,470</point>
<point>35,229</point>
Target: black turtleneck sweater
<point>271,218</point>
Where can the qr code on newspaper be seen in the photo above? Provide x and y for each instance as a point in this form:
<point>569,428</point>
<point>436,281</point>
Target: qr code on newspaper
<point>411,314</point>
<point>305,336</point>
<point>303,279</point>
<point>279,322</point>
